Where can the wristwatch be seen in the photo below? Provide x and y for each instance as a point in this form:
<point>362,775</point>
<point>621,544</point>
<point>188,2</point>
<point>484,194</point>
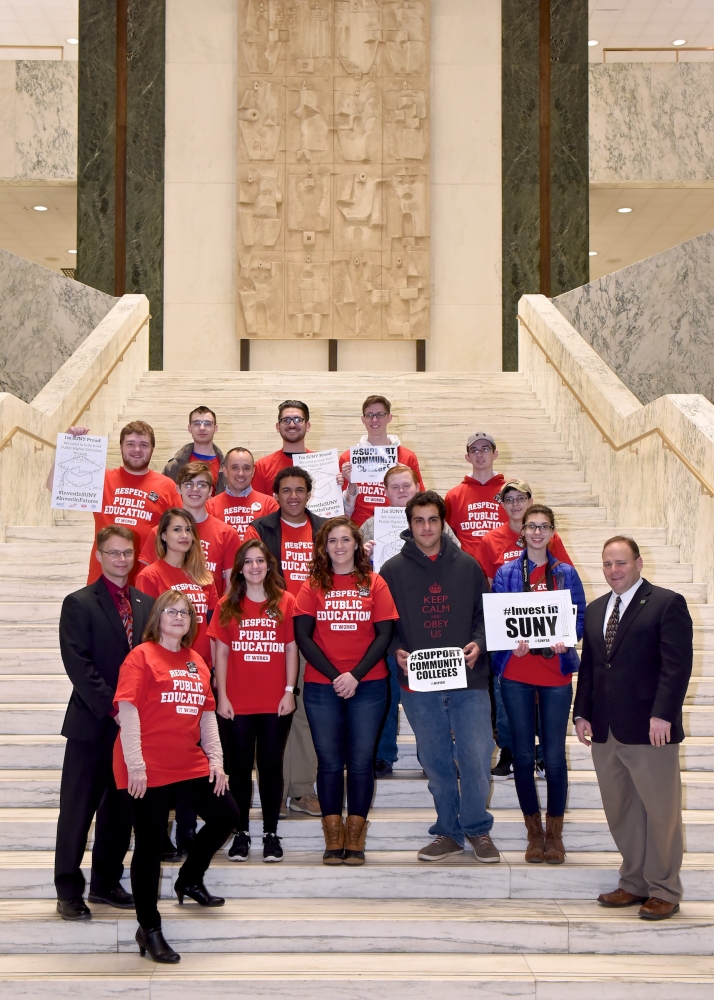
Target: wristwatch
<point>290,688</point>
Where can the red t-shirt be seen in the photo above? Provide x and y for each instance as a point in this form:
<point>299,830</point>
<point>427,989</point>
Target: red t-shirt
<point>374,494</point>
<point>156,579</point>
<point>267,468</point>
<point>257,674</point>
<point>472,510</point>
<point>295,554</point>
<point>240,512</point>
<point>531,669</point>
<point>343,623</point>
<point>500,546</point>
<point>214,464</point>
<point>171,692</point>
<point>219,544</point>
<point>137,502</point>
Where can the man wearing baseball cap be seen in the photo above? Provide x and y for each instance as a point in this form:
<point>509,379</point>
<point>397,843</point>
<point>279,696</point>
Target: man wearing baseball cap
<point>472,507</point>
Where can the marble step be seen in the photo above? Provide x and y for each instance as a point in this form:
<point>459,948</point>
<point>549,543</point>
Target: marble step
<point>58,534</point>
<point>27,688</point>
<point>653,555</point>
<point>32,752</point>
<point>31,660</point>
<point>30,612</point>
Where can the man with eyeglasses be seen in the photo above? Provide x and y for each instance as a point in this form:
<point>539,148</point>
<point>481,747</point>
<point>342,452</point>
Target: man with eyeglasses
<point>361,499</point>
<point>99,625</point>
<point>473,507</point>
<point>202,426</point>
<point>240,504</point>
<point>292,426</point>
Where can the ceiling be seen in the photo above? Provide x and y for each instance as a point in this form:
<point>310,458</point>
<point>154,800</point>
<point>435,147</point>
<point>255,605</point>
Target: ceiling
<point>649,23</point>
<point>39,22</point>
<point>37,236</point>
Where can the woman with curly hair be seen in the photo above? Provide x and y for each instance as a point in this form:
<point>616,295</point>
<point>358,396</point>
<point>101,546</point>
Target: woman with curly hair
<point>344,621</point>
<point>256,671</point>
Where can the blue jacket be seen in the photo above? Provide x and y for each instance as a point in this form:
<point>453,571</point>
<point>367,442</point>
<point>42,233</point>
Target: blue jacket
<point>509,580</point>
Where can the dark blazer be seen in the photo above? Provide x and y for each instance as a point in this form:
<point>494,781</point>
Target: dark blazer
<point>94,645</point>
<point>270,530</point>
<point>647,672</point>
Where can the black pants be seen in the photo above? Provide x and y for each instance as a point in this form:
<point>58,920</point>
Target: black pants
<point>261,738</point>
<point>87,788</point>
<point>149,817</point>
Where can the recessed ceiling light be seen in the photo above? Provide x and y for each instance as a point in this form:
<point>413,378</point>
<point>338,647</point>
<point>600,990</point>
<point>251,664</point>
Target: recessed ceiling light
<point>40,208</point>
<point>679,41</point>
<point>614,260</point>
<point>72,41</point>
<point>593,41</point>
<point>624,211</point>
<point>71,251</point>
<point>51,258</point>
<point>592,253</point>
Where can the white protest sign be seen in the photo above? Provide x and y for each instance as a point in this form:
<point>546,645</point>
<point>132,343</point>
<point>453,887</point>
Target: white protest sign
<point>323,466</point>
<point>370,462</point>
<point>80,463</point>
<point>541,618</point>
<point>441,669</point>
<point>389,523</point>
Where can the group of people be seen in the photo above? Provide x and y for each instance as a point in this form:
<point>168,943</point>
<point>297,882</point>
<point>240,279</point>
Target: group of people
<point>226,626</point>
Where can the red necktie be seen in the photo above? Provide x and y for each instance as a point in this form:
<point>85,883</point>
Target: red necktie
<point>126,615</point>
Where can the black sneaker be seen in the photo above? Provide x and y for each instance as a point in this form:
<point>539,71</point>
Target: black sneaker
<point>272,851</point>
<point>540,769</point>
<point>238,851</point>
<point>504,769</point>
<point>382,768</point>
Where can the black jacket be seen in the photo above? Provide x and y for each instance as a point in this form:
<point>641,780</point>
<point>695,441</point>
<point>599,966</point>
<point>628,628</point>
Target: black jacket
<point>94,645</point>
<point>440,603</point>
<point>648,669</point>
<point>183,457</point>
<point>270,529</point>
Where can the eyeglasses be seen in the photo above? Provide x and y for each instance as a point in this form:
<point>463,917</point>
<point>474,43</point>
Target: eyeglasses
<point>480,451</point>
<point>380,415</point>
<point>542,529</point>
<point>510,500</point>
<point>292,420</point>
<point>199,484</point>
<point>175,613</point>
<point>118,553</point>
<point>202,423</point>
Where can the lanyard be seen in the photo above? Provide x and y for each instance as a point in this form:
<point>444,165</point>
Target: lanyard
<point>549,582</point>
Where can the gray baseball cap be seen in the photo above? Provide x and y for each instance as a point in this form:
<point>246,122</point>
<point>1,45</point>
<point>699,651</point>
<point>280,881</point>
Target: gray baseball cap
<point>480,436</point>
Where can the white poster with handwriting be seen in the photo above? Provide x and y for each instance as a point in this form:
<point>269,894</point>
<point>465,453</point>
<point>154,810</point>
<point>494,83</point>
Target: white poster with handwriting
<point>371,462</point>
<point>323,466</point>
<point>389,523</point>
<point>541,618</point>
<point>80,463</point>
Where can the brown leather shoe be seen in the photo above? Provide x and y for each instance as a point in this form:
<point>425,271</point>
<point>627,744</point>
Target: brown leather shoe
<point>619,898</point>
<point>554,849</point>
<point>658,909</point>
<point>333,828</point>
<point>536,842</point>
<point>355,838</point>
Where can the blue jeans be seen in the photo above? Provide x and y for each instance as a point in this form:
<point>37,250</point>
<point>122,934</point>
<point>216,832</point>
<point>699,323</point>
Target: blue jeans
<point>434,715</point>
<point>344,732</point>
<point>554,705</point>
<point>503,728</point>
<point>387,746</point>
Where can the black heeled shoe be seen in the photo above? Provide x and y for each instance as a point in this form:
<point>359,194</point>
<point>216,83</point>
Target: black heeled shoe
<point>199,893</point>
<point>155,943</point>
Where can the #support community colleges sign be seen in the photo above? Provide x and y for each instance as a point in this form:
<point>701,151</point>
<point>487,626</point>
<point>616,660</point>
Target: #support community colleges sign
<point>436,669</point>
<point>539,618</point>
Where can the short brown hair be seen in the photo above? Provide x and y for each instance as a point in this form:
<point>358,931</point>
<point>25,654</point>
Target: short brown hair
<point>238,448</point>
<point>539,508</point>
<point>152,632</point>
<point>400,468</point>
<point>634,547</point>
<point>203,409</point>
<point>190,470</point>
<point>377,399</point>
<point>114,529</point>
<point>138,427</point>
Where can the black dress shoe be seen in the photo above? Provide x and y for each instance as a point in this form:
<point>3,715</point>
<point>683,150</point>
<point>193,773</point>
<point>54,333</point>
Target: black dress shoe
<point>117,897</point>
<point>73,909</point>
<point>155,943</point>
<point>169,852</point>
<point>199,893</point>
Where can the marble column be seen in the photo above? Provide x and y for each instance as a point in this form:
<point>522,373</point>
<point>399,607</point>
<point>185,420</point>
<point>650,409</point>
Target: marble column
<point>521,159</point>
<point>145,153</point>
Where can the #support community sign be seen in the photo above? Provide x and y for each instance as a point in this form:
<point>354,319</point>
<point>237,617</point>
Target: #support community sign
<point>442,669</point>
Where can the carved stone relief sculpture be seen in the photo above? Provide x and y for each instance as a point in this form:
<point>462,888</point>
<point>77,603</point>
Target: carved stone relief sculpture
<point>260,207</point>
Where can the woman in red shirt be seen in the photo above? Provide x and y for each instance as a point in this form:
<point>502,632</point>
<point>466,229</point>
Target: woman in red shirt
<point>344,621</point>
<point>165,707</point>
<point>182,566</point>
<point>256,671</point>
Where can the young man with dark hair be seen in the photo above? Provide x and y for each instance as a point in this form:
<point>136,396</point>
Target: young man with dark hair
<point>438,591</point>
<point>472,507</point>
<point>292,426</point>
<point>360,499</point>
<point>202,426</point>
<point>290,533</point>
<point>240,504</point>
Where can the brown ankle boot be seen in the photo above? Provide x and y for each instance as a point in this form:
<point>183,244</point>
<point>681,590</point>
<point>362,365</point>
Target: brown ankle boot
<point>536,843</point>
<point>355,840</point>
<point>334,829</point>
<point>554,850</point>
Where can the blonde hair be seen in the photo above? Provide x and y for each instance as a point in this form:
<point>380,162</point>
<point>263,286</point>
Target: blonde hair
<point>194,562</point>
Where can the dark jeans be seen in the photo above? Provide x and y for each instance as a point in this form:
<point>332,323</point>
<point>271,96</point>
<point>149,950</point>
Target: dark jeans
<point>87,788</point>
<point>387,746</point>
<point>149,817</point>
<point>345,731</point>
<point>554,705</point>
<point>261,738</point>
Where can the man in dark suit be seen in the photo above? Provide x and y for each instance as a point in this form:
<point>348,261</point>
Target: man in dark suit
<point>98,626</point>
<point>635,668</point>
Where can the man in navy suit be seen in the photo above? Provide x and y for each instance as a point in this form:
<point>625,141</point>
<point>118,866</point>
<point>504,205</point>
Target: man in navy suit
<point>635,668</point>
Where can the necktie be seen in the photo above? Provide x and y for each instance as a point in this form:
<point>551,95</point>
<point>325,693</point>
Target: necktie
<point>126,615</point>
<point>612,623</point>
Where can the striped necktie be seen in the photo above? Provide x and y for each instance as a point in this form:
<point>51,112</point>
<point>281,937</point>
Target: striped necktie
<point>612,623</point>
<point>126,615</point>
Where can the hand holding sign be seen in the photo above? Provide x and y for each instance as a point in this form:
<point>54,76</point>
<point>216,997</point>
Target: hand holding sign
<point>437,669</point>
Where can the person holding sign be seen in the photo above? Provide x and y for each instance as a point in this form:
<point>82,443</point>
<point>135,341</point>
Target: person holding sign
<point>240,504</point>
<point>344,621</point>
<point>545,673</point>
<point>361,498</point>
<point>438,591</point>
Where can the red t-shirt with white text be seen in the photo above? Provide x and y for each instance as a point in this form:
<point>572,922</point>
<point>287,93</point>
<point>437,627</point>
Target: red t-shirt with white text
<point>295,553</point>
<point>171,691</point>
<point>267,468</point>
<point>531,669</point>
<point>472,510</point>
<point>219,543</point>
<point>137,503</point>
<point>156,579</point>
<point>501,546</point>
<point>371,495</point>
<point>257,674</point>
<point>343,622</point>
<point>240,512</point>
<point>213,463</point>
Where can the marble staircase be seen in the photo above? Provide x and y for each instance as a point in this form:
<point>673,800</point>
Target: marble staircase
<point>396,925</point>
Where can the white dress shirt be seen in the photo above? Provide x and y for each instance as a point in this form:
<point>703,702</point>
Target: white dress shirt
<point>624,602</point>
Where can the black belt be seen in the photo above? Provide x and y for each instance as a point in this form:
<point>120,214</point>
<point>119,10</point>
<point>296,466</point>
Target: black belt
<point>545,651</point>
